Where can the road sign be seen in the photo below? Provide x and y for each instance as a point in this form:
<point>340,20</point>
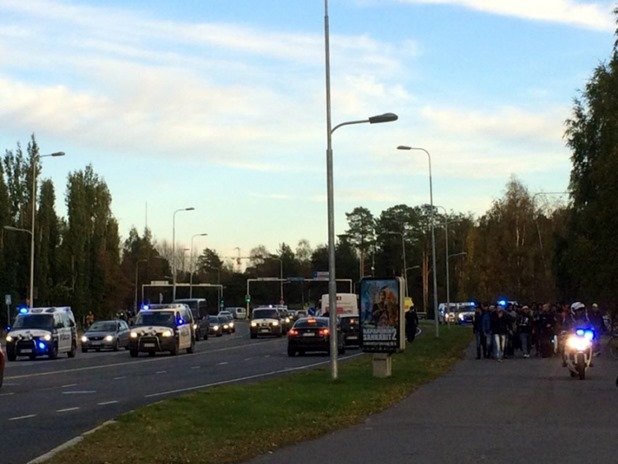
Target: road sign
<point>7,299</point>
<point>320,275</point>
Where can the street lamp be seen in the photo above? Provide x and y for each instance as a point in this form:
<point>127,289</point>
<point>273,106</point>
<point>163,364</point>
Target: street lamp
<point>136,282</point>
<point>433,237</point>
<point>31,231</point>
<point>332,283</point>
<point>193,264</point>
<point>403,247</point>
<point>448,290</point>
<point>281,300</point>
<point>191,208</point>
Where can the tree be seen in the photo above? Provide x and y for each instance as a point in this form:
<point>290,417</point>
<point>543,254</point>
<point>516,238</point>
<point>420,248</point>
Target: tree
<point>361,233</point>
<point>592,135</point>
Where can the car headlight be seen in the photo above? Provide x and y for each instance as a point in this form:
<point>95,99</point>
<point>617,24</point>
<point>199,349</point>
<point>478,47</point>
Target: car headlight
<point>9,339</point>
<point>84,339</point>
<point>215,327</point>
<point>167,334</point>
<point>253,324</point>
<point>47,337</point>
<point>194,326</point>
<point>109,338</point>
<point>133,335</point>
<point>275,323</point>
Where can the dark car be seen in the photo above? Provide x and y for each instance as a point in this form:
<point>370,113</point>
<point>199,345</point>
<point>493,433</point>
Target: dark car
<point>350,329</point>
<point>110,335</point>
<point>200,315</point>
<point>215,327</point>
<point>2,364</point>
<point>312,334</point>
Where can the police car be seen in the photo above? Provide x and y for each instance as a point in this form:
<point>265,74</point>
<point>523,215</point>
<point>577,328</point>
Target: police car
<point>42,332</point>
<point>166,327</point>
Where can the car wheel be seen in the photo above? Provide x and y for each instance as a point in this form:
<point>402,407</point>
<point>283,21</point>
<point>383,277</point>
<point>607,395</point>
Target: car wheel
<point>133,353</point>
<point>84,350</point>
<point>53,353</point>
<point>174,350</point>
<point>117,345</point>
<point>191,349</point>
<point>71,354</point>
<point>10,355</point>
<point>291,352</point>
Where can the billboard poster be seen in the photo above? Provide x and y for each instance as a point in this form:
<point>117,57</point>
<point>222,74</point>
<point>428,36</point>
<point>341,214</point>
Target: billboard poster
<point>381,315</point>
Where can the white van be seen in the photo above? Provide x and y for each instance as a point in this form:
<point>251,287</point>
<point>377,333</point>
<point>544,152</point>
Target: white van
<point>347,304</point>
<point>238,312</point>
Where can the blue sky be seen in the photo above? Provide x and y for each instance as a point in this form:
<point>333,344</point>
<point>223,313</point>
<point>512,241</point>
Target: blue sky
<point>220,105</point>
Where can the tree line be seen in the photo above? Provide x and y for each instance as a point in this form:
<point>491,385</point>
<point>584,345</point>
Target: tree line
<point>529,246</point>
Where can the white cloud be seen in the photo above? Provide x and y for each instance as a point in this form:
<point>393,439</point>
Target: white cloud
<point>596,15</point>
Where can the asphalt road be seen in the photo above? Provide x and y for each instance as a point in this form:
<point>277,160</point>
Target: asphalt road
<point>45,403</point>
<point>519,411</point>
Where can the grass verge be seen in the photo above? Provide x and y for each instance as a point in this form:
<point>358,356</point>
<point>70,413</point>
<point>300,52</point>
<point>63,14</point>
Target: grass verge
<point>231,424</point>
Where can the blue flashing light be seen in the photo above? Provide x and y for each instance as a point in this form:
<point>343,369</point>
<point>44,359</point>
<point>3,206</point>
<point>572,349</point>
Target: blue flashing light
<point>180,321</point>
<point>145,307</point>
<point>42,346</point>
<point>588,334</point>
<point>502,302</point>
<point>23,310</point>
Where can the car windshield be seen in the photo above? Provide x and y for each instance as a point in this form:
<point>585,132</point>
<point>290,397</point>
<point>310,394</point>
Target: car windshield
<point>265,313</point>
<point>164,318</point>
<point>34,321</point>
<point>103,326</point>
<point>310,322</point>
<point>213,319</point>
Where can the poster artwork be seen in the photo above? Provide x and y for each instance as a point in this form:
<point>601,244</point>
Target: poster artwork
<point>380,314</point>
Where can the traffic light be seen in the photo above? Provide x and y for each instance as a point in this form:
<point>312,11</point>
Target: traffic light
<point>222,303</point>
<point>247,298</point>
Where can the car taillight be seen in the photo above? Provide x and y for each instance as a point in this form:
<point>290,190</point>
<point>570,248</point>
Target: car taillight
<point>324,331</point>
<point>292,333</point>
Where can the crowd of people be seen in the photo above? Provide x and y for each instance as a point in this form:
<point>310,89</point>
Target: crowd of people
<point>513,330</point>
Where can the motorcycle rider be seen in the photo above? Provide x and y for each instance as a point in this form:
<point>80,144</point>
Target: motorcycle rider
<point>578,320</point>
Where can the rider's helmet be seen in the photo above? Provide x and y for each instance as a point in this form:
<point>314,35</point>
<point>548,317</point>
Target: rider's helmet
<point>578,310</point>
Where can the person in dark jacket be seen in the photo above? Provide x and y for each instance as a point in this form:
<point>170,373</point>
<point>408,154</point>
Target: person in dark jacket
<point>411,324</point>
<point>479,333</point>
<point>546,330</point>
<point>524,329</point>
<point>499,329</point>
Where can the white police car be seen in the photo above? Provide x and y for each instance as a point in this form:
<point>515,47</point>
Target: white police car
<point>165,327</point>
<point>42,332</point>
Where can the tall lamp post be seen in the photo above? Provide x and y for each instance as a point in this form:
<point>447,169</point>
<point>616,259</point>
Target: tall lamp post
<point>332,283</point>
<point>448,288</point>
<point>403,248</point>
<point>190,208</point>
<point>433,237</point>
<point>136,274</point>
<point>281,300</point>
<point>31,231</point>
<point>193,263</point>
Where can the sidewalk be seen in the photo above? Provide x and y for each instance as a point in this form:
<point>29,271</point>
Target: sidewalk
<point>518,411</point>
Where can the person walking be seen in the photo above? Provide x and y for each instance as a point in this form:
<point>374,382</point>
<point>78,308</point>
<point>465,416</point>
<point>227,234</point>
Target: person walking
<point>499,329</point>
<point>479,333</point>
<point>524,329</point>
<point>411,324</point>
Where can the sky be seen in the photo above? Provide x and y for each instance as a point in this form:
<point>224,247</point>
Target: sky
<point>220,105</point>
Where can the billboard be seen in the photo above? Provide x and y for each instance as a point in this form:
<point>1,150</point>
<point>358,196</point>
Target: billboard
<point>382,324</point>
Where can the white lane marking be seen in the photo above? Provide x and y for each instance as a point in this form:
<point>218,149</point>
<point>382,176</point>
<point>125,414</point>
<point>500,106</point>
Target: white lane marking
<point>161,372</point>
<point>196,367</point>
<point>156,359</point>
<point>247,359</point>
<point>7,394</point>
<point>79,392</point>
<point>222,363</point>
<point>67,409</point>
<point>29,416</point>
<point>105,403</point>
<point>240,379</point>
<point>68,385</point>
<point>120,378</point>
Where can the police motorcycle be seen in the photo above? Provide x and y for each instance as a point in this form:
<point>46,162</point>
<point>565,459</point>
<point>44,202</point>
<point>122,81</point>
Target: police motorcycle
<point>578,343</point>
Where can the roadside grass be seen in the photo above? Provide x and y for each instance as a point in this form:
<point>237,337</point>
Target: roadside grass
<point>232,424</point>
